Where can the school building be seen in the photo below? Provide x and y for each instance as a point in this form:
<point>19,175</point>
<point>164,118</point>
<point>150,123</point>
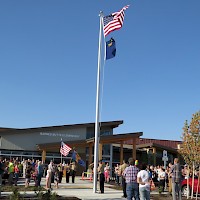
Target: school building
<point>43,143</point>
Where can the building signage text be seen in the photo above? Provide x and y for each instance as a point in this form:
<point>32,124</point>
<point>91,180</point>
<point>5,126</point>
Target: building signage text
<point>59,135</point>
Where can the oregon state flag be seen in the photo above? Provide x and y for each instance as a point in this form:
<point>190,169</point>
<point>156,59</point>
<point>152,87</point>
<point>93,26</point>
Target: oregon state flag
<point>77,158</point>
<point>110,49</point>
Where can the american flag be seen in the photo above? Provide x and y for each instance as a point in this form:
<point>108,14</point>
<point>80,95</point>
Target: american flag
<point>64,149</point>
<point>114,21</point>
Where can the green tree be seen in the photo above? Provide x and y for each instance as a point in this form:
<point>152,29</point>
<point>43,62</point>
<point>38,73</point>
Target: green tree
<point>190,147</point>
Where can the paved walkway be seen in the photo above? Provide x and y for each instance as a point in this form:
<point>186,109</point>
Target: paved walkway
<point>82,189</point>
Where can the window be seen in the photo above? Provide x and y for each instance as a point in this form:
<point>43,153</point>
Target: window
<point>106,149</point>
<point>106,132</point>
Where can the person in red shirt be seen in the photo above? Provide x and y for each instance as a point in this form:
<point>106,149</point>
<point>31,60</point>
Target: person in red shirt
<point>16,172</point>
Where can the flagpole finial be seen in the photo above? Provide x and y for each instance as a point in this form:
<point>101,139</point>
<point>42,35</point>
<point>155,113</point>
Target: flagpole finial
<point>101,13</point>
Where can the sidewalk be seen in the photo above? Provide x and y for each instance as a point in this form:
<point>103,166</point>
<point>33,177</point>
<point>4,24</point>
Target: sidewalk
<point>82,189</point>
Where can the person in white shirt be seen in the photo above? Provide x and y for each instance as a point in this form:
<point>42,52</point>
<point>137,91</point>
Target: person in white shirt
<point>24,164</point>
<point>143,179</point>
<point>161,177</point>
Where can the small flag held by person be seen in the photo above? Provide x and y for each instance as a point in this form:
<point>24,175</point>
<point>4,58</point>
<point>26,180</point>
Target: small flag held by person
<point>114,21</point>
<point>64,149</point>
<point>110,49</point>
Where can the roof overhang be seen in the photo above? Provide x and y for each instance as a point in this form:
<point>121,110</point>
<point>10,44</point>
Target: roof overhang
<point>157,146</point>
<point>116,138</point>
<point>56,145</point>
<point>106,139</point>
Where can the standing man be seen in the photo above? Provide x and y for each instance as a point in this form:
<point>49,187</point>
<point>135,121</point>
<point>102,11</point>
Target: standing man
<point>101,175</point>
<point>144,183</point>
<point>11,172</point>
<point>73,171</point>
<point>130,174</point>
<point>67,169</point>
<point>121,172</point>
<point>51,171</point>
<point>24,164</point>
<point>40,173</point>
<point>176,179</point>
<point>60,172</point>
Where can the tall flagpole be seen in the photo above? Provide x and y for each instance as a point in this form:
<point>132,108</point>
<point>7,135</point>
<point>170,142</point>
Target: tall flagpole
<point>97,134</point>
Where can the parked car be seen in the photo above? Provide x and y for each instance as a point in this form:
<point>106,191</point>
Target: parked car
<point>184,186</point>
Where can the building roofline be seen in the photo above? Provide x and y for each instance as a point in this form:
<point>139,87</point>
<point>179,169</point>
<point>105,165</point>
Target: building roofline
<point>160,139</point>
<point>112,124</point>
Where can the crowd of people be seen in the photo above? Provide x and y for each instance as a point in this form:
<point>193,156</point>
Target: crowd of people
<point>138,180</point>
<point>12,170</point>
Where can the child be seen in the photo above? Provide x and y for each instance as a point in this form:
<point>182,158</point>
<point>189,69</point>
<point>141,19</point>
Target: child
<point>56,178</point>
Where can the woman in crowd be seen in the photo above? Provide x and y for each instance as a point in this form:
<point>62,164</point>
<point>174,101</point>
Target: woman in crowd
<point>48,179</point>
<point>169,175</point>
<point>117,174</point>
<point>16,172</point>
<point>107,173</point>
<point>35,173</point>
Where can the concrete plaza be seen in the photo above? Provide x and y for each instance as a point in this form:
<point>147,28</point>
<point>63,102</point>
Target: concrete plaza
<point>82,189</point>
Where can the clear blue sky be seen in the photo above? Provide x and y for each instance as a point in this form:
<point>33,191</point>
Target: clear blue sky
<point>48,64</point>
